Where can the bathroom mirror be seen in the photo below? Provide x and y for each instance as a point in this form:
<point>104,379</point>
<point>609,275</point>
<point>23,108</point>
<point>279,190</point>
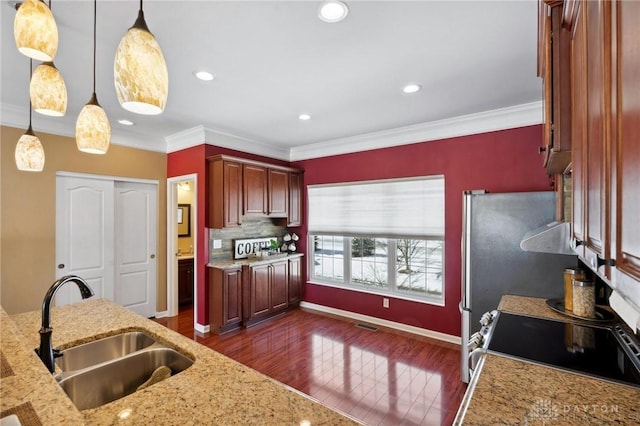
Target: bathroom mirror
<point>184,220</point>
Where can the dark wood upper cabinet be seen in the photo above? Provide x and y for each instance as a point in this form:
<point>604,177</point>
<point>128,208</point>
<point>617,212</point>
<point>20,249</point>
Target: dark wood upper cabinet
<point>255,189</point>
<point>225,193</point>
<point>605,129</point>
<point>294,217</point>
<point>554,67</point>
<point>626,140</point>
<point>278,193</point>
<point>239,187</point>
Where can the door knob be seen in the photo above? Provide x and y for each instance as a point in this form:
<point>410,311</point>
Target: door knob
<point>61,266</point>
<point>153,256</point>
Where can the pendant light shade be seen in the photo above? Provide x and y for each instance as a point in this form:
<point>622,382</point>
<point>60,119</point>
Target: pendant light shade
<point>93,130</point>
<point>29,152</point>
<point>47,90</point>
<point>140,71</point>
<point>35,31</point>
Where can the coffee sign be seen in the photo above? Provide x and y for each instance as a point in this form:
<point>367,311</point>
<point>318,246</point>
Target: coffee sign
<point>246,248</point>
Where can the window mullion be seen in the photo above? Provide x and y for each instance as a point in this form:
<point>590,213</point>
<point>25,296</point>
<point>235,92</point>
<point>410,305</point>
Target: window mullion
<point>346,244</point>
<point>391,264</point>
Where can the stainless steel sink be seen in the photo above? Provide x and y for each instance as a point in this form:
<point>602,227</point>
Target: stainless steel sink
<point>99,351</point>
<point>101,371</point>
<point>99,385</point>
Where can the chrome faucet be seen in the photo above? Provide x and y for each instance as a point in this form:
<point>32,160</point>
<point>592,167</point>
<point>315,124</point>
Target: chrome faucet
<point>45,352</point>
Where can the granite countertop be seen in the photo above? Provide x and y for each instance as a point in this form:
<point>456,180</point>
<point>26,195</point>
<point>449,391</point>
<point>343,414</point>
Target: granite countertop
<point>214,390</point>
<point>257,260</point>
<point>513,392</point>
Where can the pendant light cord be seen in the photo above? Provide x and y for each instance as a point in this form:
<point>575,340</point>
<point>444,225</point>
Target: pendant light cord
<point>30,73</point>
<point>95,7</point>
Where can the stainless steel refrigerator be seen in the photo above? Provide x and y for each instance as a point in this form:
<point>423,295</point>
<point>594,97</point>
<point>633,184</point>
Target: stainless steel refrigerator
<point>494,264</point>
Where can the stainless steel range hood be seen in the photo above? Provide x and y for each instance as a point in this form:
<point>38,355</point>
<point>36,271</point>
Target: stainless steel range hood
<point>551,238</point>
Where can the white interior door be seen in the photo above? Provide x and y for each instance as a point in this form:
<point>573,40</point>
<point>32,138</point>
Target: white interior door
<point>84,235</point>
<point>135,246</point>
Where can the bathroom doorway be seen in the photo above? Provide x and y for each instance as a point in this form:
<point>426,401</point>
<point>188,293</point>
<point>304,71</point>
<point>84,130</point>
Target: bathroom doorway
<point>182,243</point>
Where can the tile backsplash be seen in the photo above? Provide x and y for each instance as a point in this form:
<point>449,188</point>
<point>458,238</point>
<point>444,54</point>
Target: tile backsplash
<point>251,228</point>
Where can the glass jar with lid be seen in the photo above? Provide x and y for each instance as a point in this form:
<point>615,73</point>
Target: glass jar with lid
<point>569,275</point>
<point>584,298</point>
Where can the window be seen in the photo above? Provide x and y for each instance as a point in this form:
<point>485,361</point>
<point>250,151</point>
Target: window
<point>383,237</point>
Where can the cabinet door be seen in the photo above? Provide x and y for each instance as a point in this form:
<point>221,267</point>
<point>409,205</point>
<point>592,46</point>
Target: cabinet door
<point>279,284</point>
<point>295,280</point>
<point>554,68</point>
<point>278,193</point>
<point>578,123</point>
<point>185,281</point>
<point>225,194</point>
<point>628,140</point>
<point>259,290</point>
<point>232,291</point>
<point>255,190</point>
<point>232,202</point>
<point>294,217</point>
<point>597,161</point>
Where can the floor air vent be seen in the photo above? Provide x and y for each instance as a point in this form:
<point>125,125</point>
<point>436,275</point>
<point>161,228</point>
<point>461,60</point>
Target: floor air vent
<point>366,326</point>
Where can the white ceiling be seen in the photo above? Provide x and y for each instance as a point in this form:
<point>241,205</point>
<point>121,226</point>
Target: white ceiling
<point>275,59</point>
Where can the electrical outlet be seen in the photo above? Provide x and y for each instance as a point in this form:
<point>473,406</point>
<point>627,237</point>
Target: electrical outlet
<point>385,302</point>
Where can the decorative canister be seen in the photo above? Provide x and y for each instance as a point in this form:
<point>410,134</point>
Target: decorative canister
<point>584,298</point>
<point>569,275</point>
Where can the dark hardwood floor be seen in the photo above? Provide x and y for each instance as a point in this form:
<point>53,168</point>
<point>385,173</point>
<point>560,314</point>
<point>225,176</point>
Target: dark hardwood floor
<point>380,377</point>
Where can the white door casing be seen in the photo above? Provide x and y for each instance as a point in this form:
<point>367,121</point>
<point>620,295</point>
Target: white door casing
<point>84,236</point>
<point>135,244</point>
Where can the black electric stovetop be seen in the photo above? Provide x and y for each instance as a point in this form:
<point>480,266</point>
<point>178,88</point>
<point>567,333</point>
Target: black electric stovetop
<point>592,350</point>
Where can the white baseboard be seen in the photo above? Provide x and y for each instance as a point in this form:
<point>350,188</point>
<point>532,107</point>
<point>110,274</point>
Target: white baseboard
<point>383,323</point>
<point>201,328</point>
<point>162,314</point>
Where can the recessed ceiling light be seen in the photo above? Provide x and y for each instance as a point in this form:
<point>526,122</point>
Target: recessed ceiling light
<point>333,11</point>
<point>204,75</point>
<point>304,117</point>
<point>125,122</point>
<point>411,88</point>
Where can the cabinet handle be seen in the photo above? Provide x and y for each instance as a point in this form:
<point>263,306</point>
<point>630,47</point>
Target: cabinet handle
<point>542,149</point>
<point>601,262</point>
<point>575,243</point>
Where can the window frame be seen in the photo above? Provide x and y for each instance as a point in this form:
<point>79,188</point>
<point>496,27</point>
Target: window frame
<point>391,289</point>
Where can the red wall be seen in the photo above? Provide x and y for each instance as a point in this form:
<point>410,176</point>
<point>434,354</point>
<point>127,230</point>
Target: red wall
<point>193,161</point>
<point>503,161</point>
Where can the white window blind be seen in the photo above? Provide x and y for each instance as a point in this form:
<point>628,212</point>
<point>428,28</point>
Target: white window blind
<point>406,207</point>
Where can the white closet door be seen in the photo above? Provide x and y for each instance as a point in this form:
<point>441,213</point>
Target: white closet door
<point>136,227</point>
<point>84,235</point>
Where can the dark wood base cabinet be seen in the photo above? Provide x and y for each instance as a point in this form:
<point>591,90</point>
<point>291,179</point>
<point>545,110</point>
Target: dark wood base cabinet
<point>225,299</point>
<point>185,281</point>
<point>249,294</point>
<point>267,292</point>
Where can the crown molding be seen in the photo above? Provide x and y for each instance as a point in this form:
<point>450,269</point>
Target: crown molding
<point>13,116</point>
<point>488,121</point>
<point>200,134</point>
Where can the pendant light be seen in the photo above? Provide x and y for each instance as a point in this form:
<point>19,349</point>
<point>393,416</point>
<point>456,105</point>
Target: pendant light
<point>47,89</point>
<point>140,71</point>
<point>93,130</point>
<point>35,31</point>
<point>29,154</point>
